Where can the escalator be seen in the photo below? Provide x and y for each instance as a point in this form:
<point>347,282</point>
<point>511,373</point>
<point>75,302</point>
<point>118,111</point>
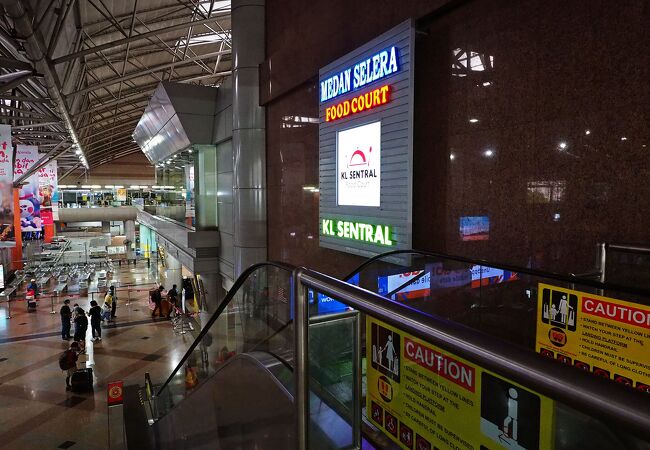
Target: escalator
<point>430,351</point>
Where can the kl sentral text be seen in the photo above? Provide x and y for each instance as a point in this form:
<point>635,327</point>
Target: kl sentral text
<point>373,68</point>
<point>358,231</point>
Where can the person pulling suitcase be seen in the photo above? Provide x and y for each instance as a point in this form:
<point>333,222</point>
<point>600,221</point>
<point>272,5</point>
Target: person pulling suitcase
<point>68,363</point>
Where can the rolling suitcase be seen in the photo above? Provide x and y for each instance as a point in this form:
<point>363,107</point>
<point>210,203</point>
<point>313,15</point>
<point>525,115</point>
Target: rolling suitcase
<point>31,303</point>
<point>82,380</point>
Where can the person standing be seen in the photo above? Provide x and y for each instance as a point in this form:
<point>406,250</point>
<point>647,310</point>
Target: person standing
<point>172,297</point>
<point>80,328</point>
<point>156,298</point>
<point>108,304</point>
<point>66,320</point>
<point>95,314</point>
<point>68,363</point>
<point>114,302</point>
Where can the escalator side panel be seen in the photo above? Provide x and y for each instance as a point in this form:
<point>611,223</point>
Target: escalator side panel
<point>242,406</point>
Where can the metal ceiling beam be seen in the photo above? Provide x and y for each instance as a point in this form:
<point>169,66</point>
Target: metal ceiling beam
<point>107,106</point>
<point>140,73</point>
<point>11,63</point>
<point>18,98</point>
<point>35,125</point>
<point>69,172</point>
<point>135,38</point>
<point>24,118</point>
<point>15,83</point>
<point>37,51</point>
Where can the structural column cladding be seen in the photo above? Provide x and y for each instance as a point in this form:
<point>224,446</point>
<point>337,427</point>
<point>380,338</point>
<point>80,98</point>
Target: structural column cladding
<point>249,140</point>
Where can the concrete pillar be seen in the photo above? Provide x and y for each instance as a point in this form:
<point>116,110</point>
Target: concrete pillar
<point>129,232</point>
<point>248,138</point>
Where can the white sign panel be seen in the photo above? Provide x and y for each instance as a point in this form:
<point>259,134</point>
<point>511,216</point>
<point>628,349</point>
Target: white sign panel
<point>359,165</point>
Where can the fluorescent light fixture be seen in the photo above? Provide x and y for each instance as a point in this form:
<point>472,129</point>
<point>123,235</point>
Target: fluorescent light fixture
<point>473,120</point>
<point>119,187</point>
<point>95,186</point>
<point>109,186</point>
<point>134,187</point>
<point>86,186</point>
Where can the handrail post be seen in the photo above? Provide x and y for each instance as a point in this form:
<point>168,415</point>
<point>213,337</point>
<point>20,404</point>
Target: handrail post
<point>357,396</point>
<point>602,255</point>
<point>301,357</point>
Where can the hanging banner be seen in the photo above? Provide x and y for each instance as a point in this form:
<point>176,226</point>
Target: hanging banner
<point>6,185</point>
<point>48,186</point>
<point>30,206</point>
<point>597,334</point>
<point>423,397</point>
<point>121,195</point>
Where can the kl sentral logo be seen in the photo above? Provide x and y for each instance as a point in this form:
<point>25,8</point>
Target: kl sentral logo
<point>363,102</point>
<point>358,231</point>
<point>358,154</point>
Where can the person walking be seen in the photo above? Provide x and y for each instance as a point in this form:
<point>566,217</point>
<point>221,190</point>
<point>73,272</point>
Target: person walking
<point>66,320</point>
<point>68,363</point>
<point>95,314</point>
<point>156,297</point>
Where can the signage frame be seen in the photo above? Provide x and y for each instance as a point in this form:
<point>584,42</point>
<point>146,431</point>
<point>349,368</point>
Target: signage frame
<point>395,208</point>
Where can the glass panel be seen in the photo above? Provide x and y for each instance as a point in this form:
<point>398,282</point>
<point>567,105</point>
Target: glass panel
<point>256,319</point>
<point>331,369</point>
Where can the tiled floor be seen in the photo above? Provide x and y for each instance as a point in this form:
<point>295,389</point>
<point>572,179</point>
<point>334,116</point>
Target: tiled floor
<point>36,412</point>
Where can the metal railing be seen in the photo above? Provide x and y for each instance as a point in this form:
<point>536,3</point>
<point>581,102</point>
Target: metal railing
<point>605,400</point>
<point>602,399</point>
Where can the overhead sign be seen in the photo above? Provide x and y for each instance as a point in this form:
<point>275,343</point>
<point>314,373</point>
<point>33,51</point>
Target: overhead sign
<point>366,146</point>
<point>602,335</point>
<point>359,165</point>
<point>423,397</point>
<point>368,70</point>
<point>363,102</point>
<point>358,231</point>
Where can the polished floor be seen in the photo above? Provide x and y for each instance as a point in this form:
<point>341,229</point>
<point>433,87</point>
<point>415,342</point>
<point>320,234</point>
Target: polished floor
<point>36,412</point>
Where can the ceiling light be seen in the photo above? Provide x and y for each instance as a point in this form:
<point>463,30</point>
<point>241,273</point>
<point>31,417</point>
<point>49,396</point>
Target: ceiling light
<point>623,138</point>
<point>587,132</point>
<point>488,153</point>
<point>562,145</point>
<point>78,152</point>
<point>452,156</point>
<point>109,186</point>
<point>473,120</point>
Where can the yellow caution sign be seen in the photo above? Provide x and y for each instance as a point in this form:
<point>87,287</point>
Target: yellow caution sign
<point>602,335</point>
<point>423,397</point>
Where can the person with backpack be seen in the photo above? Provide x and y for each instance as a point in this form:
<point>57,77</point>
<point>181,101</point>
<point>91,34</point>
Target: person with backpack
<point>172,298</point>
<point>95,314</point>
<point>80,328</point>
<point>66,320</point>
<point>68,363</point>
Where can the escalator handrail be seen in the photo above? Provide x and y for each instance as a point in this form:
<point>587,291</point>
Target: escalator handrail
<point>615,404</point>
<point>568,278</point>
<point>222,306</point>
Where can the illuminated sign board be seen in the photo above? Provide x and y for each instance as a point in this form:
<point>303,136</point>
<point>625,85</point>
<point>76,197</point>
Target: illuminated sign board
<point>358,153</point>
<point>363,102</point>
<point>374,67</point>
<point>358,231</point>
<point>365,140</point>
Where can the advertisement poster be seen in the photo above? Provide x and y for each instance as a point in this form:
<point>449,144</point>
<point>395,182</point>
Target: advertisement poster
<point>30,206</point>
<point>121,195</point>
<point>601,335</point>
<point>6,185</point>
<point>359,165</point>
<point>425,398</point>
<point>417,288</point>
<point>48,193</point>
<point>475,228</point>
<point>485,276</point>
